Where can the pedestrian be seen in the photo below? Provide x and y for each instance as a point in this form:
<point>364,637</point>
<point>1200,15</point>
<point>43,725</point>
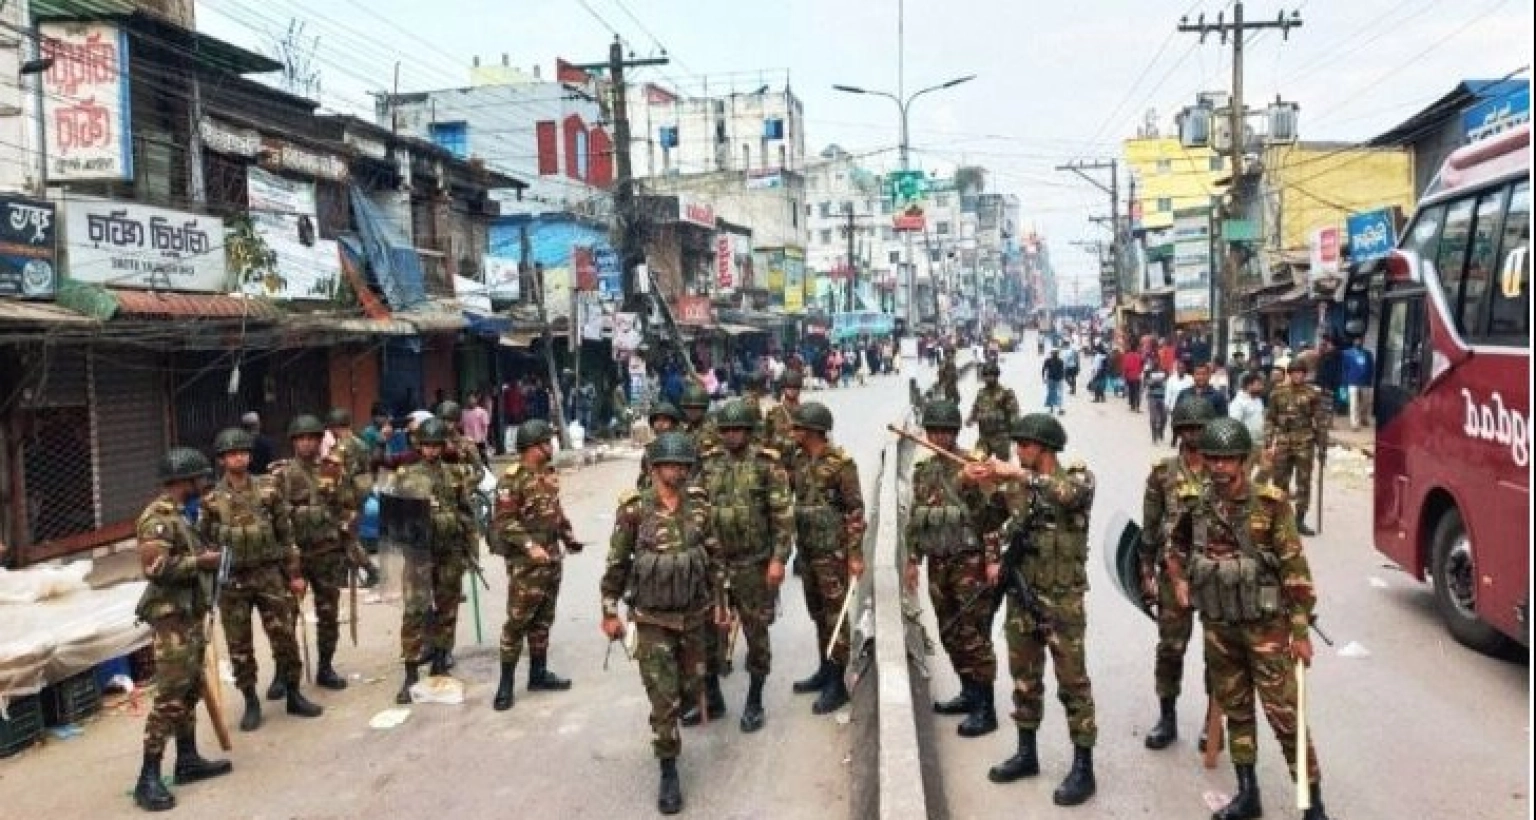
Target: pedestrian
<point>661,559</point>
<point>950,527</point>
<point>1248,405</point>
<point>1157,398</point>
<point>1180,381</point>
<point>1054,502</point>
<point>754,517</point>
<point>1073,366</point>
<point>1296,425</point>
<point>1200,386</point>
<point>993,413</point>
<point>434,570</point>
<point>476,424</point>
<point>262,450</point>
<point>528,529</point>
<point>1131,365</point>
<point>1159,509</point>
<point>1053,372</point>
<point>377,434</point>
<point>1359,379</point>
<point>1255,597</point>
<point>829,528</point>
<point>1098,381</point>
<point>246,514</point>
<point>178,566</point>
<point>1328,375</point>
<point>949,378</point>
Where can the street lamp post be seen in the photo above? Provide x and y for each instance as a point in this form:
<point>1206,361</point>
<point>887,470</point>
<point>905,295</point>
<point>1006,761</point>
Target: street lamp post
<point>904,106</point>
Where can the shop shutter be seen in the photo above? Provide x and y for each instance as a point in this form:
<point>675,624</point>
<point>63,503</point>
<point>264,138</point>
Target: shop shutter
<point>55,377</point>
<point>128,414</point>
<point>299,382</point>
<point>201,402</point>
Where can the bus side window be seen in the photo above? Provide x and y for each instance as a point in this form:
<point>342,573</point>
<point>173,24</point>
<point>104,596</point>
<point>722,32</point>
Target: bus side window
<point>1509,318</point>
<point>1451,254</point>
<point>1481,263</point>
<point>1425,233</point>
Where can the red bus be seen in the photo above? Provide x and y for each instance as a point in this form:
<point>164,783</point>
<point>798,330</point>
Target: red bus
<point>1452,337</point>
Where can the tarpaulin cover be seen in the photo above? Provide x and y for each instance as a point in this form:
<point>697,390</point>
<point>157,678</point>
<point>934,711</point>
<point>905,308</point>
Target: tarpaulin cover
<point>392,259</point>
<point>45,641</point>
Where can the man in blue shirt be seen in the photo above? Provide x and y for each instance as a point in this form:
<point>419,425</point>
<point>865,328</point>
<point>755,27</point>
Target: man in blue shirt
<point>1359,379</point>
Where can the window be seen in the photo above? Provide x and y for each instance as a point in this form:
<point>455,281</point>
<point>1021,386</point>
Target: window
<point>886,206</point>
<point>1481,262</point>
<point>941,228</point>
<point>1509,317</point>
<point>549,152</point>
<point>1216,163</point>
<point>826,209</point>
<point>1164,204</point>
<point>794,213</point>
<point>1425,233</point>
<point>451,136</point>
<point>941,201</point>
<point>826,236</point>
<point>888,233</point>
<point>895,257</point>
<point>1451,253</point>
<point>807,210</point>
<point>846,207</point>
<point>1164,166</point>
<point>1400,371</point>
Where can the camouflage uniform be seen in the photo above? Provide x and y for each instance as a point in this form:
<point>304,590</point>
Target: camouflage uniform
<point>678,547</point>
<point>319,500</point>
<point>248,520</point>
<point>1160,508</point>
<point>705,435</point>
<point>434,581</point>
<point>829,525</point>
<point>352,451</point>
<point>174,604</point>
<point>1297,420</point>
<point>948,385</point>
<point>993,413</point>
<point>779,424</point>
<point>528,512</point>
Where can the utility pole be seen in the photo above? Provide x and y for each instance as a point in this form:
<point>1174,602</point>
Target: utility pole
<point>1080,168</point>
<point>1236,114</point>
<point>851,233</point>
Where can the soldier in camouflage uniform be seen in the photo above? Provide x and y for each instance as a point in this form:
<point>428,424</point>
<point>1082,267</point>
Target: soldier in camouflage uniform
<point>662,559</point>
<point>754,518</point>
<point>1297,421</point>
<point>1236,556</point>
<point>244,514</point>
<point>779,424</point>
<point>664,417</point>
<point>696,420</point>
<point>952,526</point>
<point>528,528</point>
<point>1159,509</point>
<point>179,567</point>
<point>460,449</point>
<point>829,529</point>
<point>353,452</point>
<point>1051,503</point>
<point>994,411</point>
<point>948,384</point>
<point>433,581</point>
<point>320,501</point>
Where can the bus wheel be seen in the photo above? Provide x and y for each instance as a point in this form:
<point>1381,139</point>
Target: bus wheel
<point>1454,571</point>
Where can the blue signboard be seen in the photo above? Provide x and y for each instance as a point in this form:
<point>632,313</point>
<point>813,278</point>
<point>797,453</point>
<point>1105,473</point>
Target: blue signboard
<point>551,239</point>
<point>1502,106</point>
<point>1372,235</point>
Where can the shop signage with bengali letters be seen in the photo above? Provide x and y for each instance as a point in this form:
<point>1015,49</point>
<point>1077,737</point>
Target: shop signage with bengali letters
<point>86,110</point>
<point>725,262</point>
<point>283,212</point>
<point>124,244</point>
<point>695,212</point>
<point>28,248</point>
<point>694,310</point>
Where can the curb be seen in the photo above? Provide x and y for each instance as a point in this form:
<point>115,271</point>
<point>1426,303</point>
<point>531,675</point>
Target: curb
<point>902,793</point>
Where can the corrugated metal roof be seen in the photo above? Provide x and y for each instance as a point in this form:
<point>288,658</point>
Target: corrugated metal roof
<point>159,304</point>
<point>40,313</point>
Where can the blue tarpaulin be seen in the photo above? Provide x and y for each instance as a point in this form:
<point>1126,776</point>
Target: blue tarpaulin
<point>392,259</point>
<point>551,237</point>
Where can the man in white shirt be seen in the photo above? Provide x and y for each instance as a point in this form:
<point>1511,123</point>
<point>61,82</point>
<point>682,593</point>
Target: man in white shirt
<point>1248,405</point>
<point>1180,381</point>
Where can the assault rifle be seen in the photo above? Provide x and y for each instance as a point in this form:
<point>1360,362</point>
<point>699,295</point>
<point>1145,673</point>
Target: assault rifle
<point>1011,583</point>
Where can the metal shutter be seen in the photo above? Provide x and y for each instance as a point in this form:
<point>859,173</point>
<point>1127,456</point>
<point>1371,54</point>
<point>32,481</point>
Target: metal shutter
<point>128,405</point>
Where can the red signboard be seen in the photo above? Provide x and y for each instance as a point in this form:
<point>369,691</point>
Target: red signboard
<point>723,260</point>
<point>693,310</point>
<point>585,264</point>
<point>695,213</point>
<point>909,221</point>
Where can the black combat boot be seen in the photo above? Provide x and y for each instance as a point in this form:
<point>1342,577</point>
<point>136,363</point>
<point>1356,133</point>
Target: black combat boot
<point>1302,528</point>
<point>669,797</point>
<point>1245,805</point>
<point>1316,812</point>
<point>1079,784</point>
<point>982,719</point>
<point>251,720</point>
<point>1024,763</point>
<point>813,683</point>
<point>540,679</point>
<point>301,706</point>
<point>150,793</point>
<point>959,704</point>
<point>1167,729</point>
<point>504,687</point>
<point>403,697</point>
<point>439,665</point>
<point>191,766</point>
<point>834,693</point>
<point>325,676</point>
<point>752,712</point>
<point>278,690</point>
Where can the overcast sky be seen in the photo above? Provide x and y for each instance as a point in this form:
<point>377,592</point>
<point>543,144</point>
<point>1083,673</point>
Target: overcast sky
<point>1055,80</point>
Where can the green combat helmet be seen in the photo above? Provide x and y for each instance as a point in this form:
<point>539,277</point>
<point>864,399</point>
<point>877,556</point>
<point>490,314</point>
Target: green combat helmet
<point>694,396</point>
<point>736,415</point>
<point>942,414</point>
<point>1225,437</point>
<point>1193,412</point>
<point>183,462</point>
<point>814,416</point>
<point>991,369</point>
<point>231,439</point>
<point>532,433</point>
<point>449,411</point>
<point>672,448</point>
<point>305,425</point>
<point>1041,428</point>
<point>665,410</point>
<point>432,431</point>
<point>338,417</point>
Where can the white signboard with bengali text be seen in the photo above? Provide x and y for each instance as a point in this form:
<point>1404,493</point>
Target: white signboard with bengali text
<point>501,278</point>
<point>127,245</point>
<point>86,112</point>
<point>284,215</point>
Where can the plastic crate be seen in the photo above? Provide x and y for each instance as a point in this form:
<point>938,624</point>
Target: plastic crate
<point>71,699</point>
<point>23,727</point>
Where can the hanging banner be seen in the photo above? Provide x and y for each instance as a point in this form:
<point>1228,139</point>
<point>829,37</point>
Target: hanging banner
<point>725,263</point>
<point>86,110</point>
<point>124,244</point>
<point>586,267</point>
<point>1191,266</point>
<point>626,333</point>
<point>794,280</point>
<point>501,278</point>
<point>28,248</point>
<point>284,214</point>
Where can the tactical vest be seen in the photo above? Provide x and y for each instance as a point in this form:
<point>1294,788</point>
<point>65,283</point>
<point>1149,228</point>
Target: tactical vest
<point>738,495</point>
<point>671,571</point>
<point>992,414</point>
<point>818,522</point>
<point>312,518</point>
<point>543,529</point>
<point>245,528</point>
<point>355,455</point>
<point>449,522</point>
<point>944,529</point>
<point>1059,561</point>
<point>1236,588</point>
<point>190,598</point>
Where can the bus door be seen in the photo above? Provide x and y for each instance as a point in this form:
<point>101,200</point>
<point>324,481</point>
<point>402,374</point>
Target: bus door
<point>1401,349</point>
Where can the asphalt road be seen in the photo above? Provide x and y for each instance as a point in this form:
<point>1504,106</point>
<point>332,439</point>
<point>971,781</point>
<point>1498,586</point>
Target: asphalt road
<point>1421,728</point>
<point>583,753</point>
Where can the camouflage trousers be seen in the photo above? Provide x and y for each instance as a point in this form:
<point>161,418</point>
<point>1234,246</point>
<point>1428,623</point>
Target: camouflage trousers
<point>825,577</point>
<point>326,572</point>
<point>433,587</point>
<point>532,591</point>
<point>178,645</point>
<point>672,665</point>
<point>755,604</point>
<point>1242,659</point>
<point>1295,458</point>
<point>265,588</point>
<point>1026,663</point>
<point>952,581</point>
<point>997,445</point>
<point>1175,625</point>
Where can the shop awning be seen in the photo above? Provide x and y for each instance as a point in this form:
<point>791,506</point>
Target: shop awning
<point>354,325</point>
<point>39,313</point>
<point>148,304</point>
<point>434,321</point>
<point>486,324</point>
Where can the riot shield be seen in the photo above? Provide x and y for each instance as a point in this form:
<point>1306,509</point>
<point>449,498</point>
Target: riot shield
<point>1122,542</point>
<point>405,522</point>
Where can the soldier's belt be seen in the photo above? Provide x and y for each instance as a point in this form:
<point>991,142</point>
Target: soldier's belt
<point>744,558</point>
<point>320,546</point>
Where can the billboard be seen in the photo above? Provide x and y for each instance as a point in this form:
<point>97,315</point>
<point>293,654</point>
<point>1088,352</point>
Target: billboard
<point>28,248</point>
<point>794,280</point>
<point>283,213</point>
<point>1191,265</point>
<point>1372,235</point>
<point>87,126</point>
<point>124,244</point>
